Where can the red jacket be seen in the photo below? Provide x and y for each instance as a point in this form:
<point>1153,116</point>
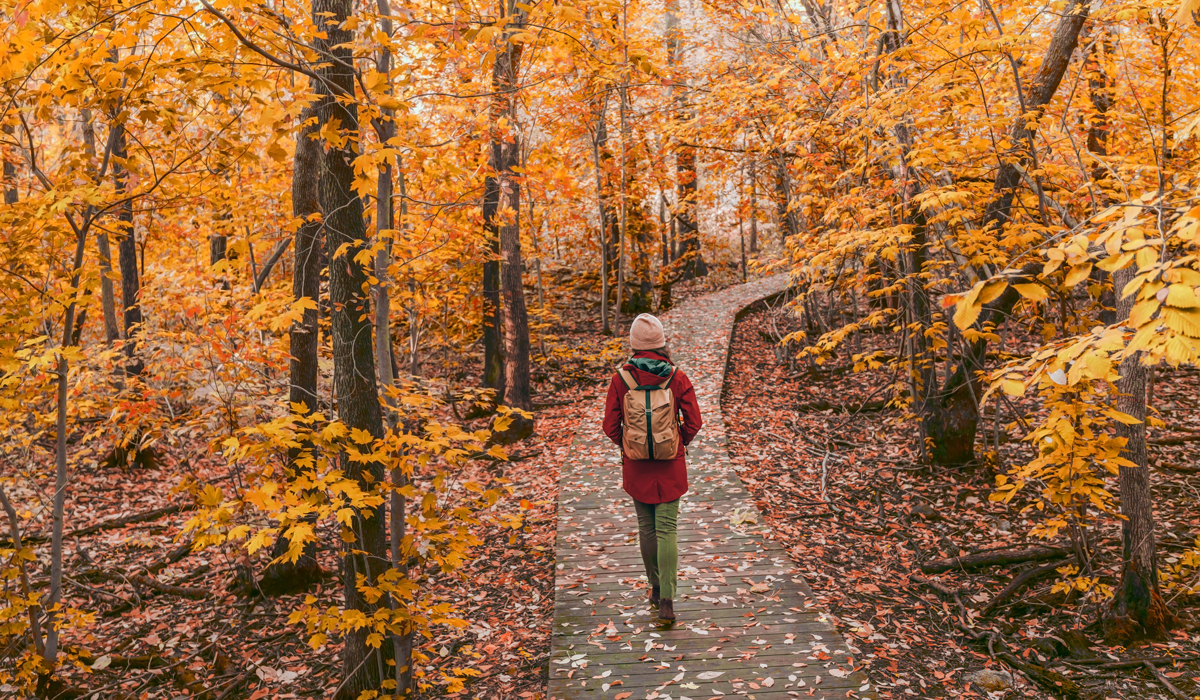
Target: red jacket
<point>653,480</point>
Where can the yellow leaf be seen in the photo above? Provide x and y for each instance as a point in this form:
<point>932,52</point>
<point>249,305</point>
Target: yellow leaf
<point>333,431</point>
<point>1099,366</point>
<point>1078,274</point>
<point>361,437</point>
<point>1033,292</point>
<point>991,290</point>
<point>1116,262</point>
<point>211,496</point>
<point>969,307</point>
<point>331,133</point>
<point>1013,387</point>
<point>375,81</point>
<point>1146,258</point>
<point>1122,417</point>
<point>1181,296</point>
<point>1186,10</point>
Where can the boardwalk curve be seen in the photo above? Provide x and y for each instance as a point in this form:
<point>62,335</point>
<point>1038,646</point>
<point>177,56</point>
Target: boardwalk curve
<point>748,624</point>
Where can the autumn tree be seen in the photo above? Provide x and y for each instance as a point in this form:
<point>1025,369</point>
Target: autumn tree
<point>504,156</point>
<point>354,376</point>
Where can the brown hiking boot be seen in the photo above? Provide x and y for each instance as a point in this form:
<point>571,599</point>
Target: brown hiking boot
<point>666,610</point>
<point>654,596</point>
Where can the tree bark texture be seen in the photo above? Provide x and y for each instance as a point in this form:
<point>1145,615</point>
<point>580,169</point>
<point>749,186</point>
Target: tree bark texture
<point>493,352</point>
<point>687,234</point>
<point>639,288</point>
<point>753,206</point>
<point>788,226</point>
<point>1041,91</point>
<point>610,229</point>
<point>11,194</point>
<point>354,369</point>
<point>108,303</point>
<point>287,577</point>
<point>1101,94</point>
<point>1137,610</point>
<point>505,156</point>
<point>127,255</point>
<point>602,216</point>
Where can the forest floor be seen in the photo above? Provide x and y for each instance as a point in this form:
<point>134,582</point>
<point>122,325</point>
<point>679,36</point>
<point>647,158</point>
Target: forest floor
<point>861,539</point>
<point>200,635</point>
<point>836,474</point>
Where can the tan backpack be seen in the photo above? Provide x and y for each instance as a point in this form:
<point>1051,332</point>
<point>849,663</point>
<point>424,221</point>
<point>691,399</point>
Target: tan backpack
<point>651,429</point>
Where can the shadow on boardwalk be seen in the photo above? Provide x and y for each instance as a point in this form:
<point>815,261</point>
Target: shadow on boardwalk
<point>748,625</point>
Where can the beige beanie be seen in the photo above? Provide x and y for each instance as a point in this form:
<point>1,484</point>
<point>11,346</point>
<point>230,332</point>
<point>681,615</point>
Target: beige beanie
<point>646,333</point>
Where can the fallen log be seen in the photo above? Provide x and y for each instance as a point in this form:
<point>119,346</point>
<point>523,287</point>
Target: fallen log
<point>1175,440</point>
<point>1136,663</point>
<point>180,591</point>
<point>116,662</point>
<point>970,562</point>
<point>109,524</point>
<point>1186,469</point>
<point>822,406</point>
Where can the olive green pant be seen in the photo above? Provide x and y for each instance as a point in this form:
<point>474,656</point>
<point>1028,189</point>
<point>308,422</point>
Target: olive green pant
<point>660,551</point>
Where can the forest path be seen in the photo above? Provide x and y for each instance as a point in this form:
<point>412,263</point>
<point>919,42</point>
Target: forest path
<point>748,624</point>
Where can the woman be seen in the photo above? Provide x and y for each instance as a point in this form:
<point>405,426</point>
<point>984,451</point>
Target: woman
<point>654,481</point>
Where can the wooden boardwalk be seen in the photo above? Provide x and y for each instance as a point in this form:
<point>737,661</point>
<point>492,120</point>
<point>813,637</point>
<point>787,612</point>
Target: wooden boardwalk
<point>748,625</point>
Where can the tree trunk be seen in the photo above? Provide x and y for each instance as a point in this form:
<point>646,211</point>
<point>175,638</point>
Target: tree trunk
<point>493,353</point>
<point>783,193</point>
<point>623,229</point>
<point>505,156</point>
<point>366,548</point>
<point>289,577</point>
<point>1100,91</point>
<point>639,287</point>
<point>127,255</point>
<point>1041,90</point>
<point>753,205</point>
<point>61,473</point>
<point>11,195</point>
<point>108,303</point>
<point>954,417</point>
<point>1137,610</point>
<point>610,231</point>
<point>684,218</point>
<point>664,230</point>
<point>602,214</point>
<point>385,219</point>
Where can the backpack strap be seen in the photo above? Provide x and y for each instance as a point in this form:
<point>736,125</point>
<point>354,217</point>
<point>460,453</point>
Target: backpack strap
<point>627,377</point>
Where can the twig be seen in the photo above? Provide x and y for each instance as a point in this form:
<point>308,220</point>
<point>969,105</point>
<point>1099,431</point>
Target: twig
<point>947,592</point>
<point>1164,680</point>
<point>237,683</point>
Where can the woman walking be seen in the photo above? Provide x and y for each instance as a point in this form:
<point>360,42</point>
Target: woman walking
<point>646,398</point>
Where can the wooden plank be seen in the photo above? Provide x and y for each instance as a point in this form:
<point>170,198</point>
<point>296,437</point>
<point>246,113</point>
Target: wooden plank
<point>740,634</point>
